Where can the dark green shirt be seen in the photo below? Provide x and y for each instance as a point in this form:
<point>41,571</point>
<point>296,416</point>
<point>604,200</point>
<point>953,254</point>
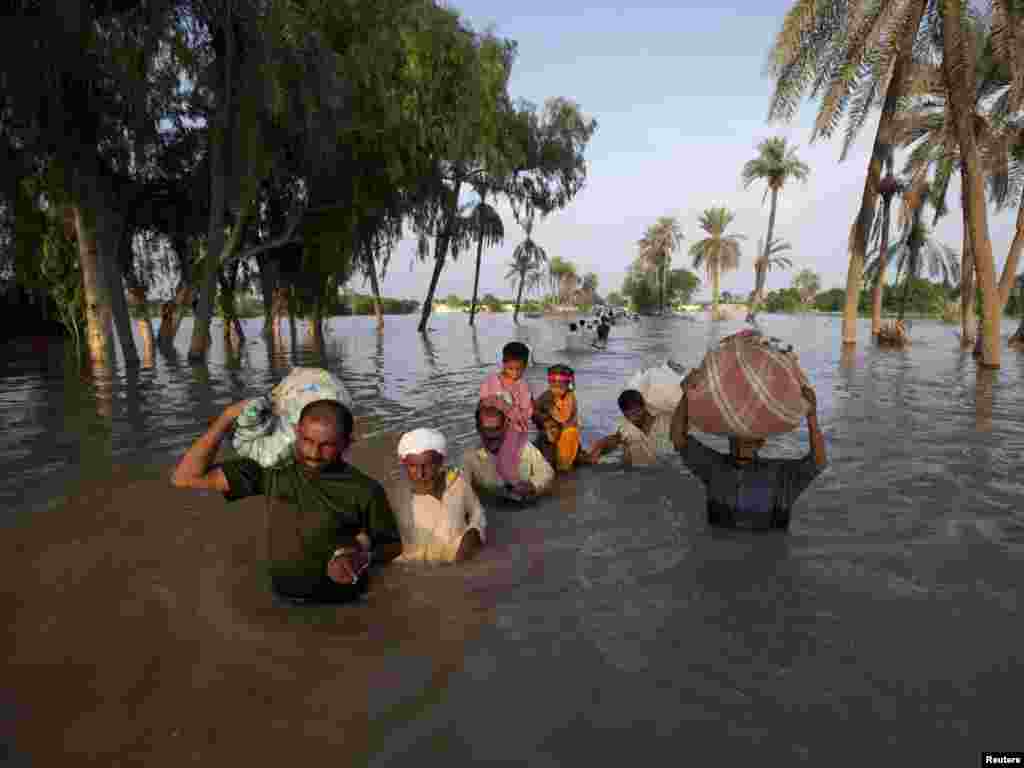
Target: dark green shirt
<point>309,516</point>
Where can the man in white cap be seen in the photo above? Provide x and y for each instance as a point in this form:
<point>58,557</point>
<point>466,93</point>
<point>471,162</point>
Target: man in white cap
<point>445,521</point>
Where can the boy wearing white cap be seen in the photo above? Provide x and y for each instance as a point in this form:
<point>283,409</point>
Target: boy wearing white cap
<point>445,521</point>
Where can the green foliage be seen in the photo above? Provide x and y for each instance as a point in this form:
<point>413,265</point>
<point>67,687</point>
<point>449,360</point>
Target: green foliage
<point>616,299</point>
<point>806,282</point>
<point>832,300</point>
<point>492,302</point>
<point>454,301</point>
<point>362,304</point>
<point>783,300</point>
<point>640,288</point>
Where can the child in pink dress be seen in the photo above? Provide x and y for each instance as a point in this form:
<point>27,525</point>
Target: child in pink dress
<point>509,385</point>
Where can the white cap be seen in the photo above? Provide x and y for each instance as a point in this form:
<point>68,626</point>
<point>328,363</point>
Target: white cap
<point>421,440</point>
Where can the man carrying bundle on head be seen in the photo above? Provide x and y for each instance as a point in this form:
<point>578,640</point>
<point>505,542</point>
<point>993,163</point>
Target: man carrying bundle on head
<point>742,488</point>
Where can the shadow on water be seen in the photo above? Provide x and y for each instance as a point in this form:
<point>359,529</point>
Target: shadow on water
<point>886,620</point>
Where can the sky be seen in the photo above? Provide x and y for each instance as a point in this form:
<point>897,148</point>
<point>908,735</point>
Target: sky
<point>680,97</point>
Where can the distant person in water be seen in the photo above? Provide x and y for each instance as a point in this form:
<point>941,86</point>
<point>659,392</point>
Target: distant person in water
<point>641,435</point>
<point>445,521</point>
<point>326,520</point>
<point>515,356</point>
<point>558,403</point>
<point>506,464</point>
<point>742,488</point>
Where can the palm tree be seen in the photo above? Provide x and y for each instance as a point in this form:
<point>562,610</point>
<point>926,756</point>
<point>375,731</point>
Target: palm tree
<point>775,164</point>
<point>768,258</point>
<point>887,188</point>
<point>486,224</point>
<point>718,252</point>
<point>915,250</point>
<point>852,54</point>
<point>657,245</point>
<point>526,265</point>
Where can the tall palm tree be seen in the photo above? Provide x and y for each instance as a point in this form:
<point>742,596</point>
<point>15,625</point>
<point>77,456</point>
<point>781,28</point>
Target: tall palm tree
<point>527,265</point>
<point>659,242</point>
<point>775,164</point>
<point>888,188</point>
<point>915,250</point>
<point>486,225</point>
<point>768,258</point>
<point>718,252</point>
<point>852,54</point>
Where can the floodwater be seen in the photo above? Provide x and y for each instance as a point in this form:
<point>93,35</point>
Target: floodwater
<point>605,623</point>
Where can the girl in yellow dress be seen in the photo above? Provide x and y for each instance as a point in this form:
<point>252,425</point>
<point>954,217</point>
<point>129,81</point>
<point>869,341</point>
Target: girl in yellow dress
<point>558,403</point>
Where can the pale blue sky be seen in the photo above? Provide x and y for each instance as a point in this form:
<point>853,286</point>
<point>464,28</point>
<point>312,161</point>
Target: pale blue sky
<point>680,98</point>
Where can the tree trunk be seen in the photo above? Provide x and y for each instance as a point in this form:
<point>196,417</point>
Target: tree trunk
<point>268,269</point>
<point>138,308</point>
<point>761,270</point>
<point>661,288</point>
<point>906,291</point>
<point>955,67</point>
<point>316,330</point>
<point>967,294</point>
<point>440,252</point>
<point>476,276</point>
<point>1012,258</point>
<point>99,321</point>
<point>862,224</point>
<point>219,140</point>
<point>378,305</point>
<point>883,263</point>
<point>111,239</point>
<point>714,292</point>
<point>519,298</point>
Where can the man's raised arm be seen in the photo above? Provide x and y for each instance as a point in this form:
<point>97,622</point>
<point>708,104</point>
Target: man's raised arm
<point>817,438</point>
<point>193,471</point>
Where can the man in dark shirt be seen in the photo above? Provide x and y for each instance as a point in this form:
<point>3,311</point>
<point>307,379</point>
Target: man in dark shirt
<point>742,488</point>
<point>326,520</point>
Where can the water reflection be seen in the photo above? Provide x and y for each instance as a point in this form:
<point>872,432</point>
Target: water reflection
<point>610,581</point>
<point>984,394</point>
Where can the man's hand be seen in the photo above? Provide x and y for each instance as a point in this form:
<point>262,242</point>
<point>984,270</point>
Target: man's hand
<point>525,489</point>
<point>347,565</point>
<point>234,410</point>
<point>692,378</point>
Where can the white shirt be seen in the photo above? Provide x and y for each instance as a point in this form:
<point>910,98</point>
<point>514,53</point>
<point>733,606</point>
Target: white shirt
<point>432,529</point>
<point>642,448</point>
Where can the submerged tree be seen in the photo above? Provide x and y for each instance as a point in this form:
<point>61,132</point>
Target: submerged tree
<point>659,242</point>
<point>719,251</point>
<point>526,266</point>
<point>775,164</point>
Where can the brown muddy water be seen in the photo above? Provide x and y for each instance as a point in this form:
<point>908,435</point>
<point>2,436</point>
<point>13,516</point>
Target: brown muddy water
<point>606,624</point>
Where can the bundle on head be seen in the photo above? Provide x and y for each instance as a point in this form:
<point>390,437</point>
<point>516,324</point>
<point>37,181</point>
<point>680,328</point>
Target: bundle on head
<point>751,388</point>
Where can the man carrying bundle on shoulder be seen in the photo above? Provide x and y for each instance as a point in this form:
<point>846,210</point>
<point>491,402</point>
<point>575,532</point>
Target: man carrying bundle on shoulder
<point>742,488</point>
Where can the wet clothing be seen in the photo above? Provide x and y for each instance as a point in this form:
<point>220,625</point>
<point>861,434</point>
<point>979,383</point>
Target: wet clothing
<point>435,527</point>
<point>759,494</point>
<point>642,448</point>
<point>564,410</point>
<point>521,412</point>
<point>308,517</point>
<point>481,469</point>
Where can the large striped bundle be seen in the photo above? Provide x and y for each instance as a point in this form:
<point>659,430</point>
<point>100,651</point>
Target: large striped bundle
<point>750,388</point>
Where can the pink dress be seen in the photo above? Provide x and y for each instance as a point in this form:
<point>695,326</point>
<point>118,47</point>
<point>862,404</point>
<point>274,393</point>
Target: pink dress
<point>522,400</point>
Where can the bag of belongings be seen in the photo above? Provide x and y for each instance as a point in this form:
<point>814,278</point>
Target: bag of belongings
<point>265,430</point>
<point>751,387</point>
